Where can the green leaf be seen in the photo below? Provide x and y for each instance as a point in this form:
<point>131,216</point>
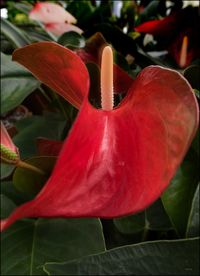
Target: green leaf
<point>177,257</point>
<point>49,125</point>
<point>15,35</point>
<point>16,84</point>
<point>192,74</point>
<point>130,224</point>
<point>193,221</point>
<point>72,39</point>
<point>7,206</point>
<point>151,11</point>
<point>156,217</point>
<point>197,93</point>
<point>30,182</point>
<point>82,11</point>
<point>23,7</point>
<point>177,199</point>
<point>9,190</point>
<point>6,170</point>
<point>27,245</point>
<point>153,218</point>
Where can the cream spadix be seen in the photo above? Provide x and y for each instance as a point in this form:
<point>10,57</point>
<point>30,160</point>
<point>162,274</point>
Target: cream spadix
<point>107,101</point>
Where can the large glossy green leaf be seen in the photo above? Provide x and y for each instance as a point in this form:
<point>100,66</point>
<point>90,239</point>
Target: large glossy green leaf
<point>30,182</point>
<point>28,244</point>
<point>177,199</point>
<point>16,84</point>
<point>193,229</point>
<point>15,35</point>
<point>177,257</point>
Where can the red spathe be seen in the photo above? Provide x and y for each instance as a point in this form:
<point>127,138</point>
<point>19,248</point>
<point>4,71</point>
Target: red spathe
<point>118,162</point>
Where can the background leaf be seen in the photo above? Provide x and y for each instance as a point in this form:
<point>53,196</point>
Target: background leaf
<point>178,257</point>
<point>131,224</point>
<point>178,197</point>
<point>192,73</point>
<point>16,84</point>
<point>13,34</point>
<point>9,190</point>
<point>7,206</point>
<point>49,125</point>
<point>193,228</point>
<point>28,244</point>
<point>72,39</point>
<point>30,182</point>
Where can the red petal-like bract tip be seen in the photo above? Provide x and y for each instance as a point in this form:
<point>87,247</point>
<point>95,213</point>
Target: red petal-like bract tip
<point>51,13</point>
<point>7,141</point>
<point>57,67</point>
<point>46,147</point>
<point>158,26</point>
<point>118,162</point>
<point>168,26</point>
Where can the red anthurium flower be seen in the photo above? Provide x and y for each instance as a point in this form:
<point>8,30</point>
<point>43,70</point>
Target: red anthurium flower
<point>114,162</point>
<point>171,30</point>
<point>51,12</point>
<point>9,152</point>
<point>55,18</point>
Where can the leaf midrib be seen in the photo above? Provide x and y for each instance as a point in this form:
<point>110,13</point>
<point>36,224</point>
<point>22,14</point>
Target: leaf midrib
<point>33,247</point>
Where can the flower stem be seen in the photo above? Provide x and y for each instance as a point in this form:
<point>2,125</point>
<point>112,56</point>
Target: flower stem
<point>25,165</point>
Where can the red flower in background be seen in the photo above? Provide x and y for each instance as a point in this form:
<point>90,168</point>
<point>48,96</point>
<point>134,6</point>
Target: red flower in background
<point>9,152</point>
<point>55,18</point>
<point>117,162</point>
<point>171,30</point>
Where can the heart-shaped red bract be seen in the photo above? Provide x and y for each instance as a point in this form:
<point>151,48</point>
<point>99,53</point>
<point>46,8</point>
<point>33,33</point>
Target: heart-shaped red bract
<point>115,163</point>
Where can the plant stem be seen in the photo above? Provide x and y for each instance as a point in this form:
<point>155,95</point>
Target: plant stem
<point>25,165</point>
<point>145,233</point>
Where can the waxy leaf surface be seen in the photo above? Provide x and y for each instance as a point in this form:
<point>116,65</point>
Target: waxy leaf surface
<point>149,258</point>
<point>28,245</point>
